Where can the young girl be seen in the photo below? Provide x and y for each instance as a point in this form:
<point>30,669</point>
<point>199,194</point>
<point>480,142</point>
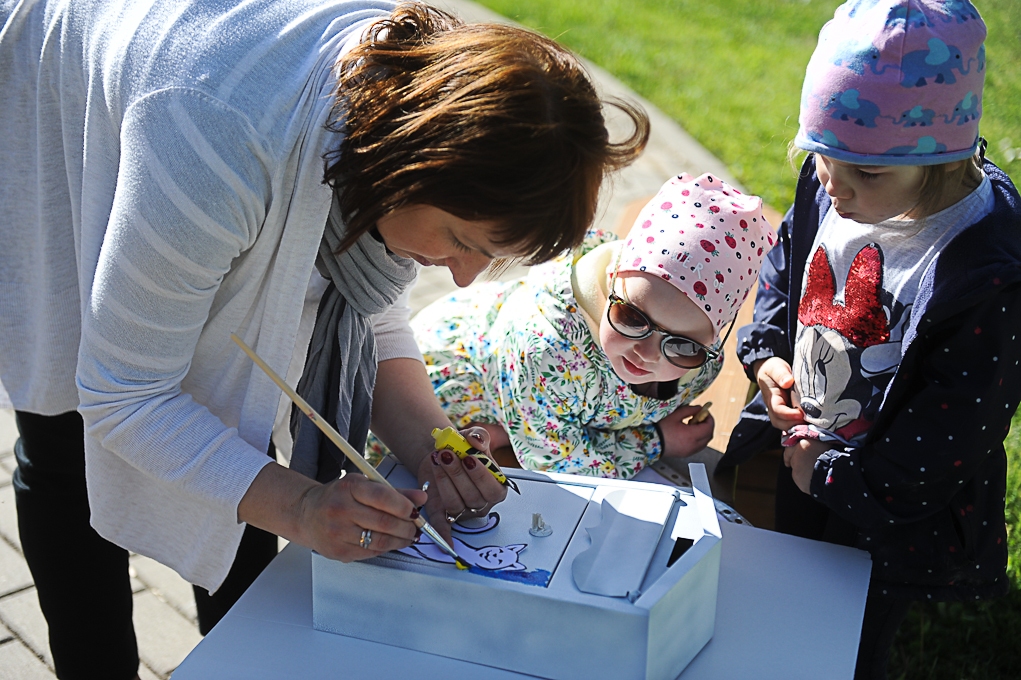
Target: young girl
<point>885,339</point>
<point>589,364</point>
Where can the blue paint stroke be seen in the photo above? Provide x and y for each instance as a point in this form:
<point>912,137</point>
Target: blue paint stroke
<point>539,577</point>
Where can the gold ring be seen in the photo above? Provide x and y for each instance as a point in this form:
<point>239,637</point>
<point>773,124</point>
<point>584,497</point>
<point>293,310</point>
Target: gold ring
<point>366,539</point>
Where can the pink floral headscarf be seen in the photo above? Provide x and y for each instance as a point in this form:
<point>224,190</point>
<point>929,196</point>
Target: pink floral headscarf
<point>706,238</point>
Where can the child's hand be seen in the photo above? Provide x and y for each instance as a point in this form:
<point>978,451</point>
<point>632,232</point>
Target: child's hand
<point>776,380</point>
<point>680,440</point>
<point>801,458</point>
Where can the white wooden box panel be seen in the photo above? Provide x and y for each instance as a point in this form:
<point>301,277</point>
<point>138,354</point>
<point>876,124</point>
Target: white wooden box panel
<point>537,625</point>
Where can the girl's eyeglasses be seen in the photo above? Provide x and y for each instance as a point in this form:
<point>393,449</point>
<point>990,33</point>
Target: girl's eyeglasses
<point>631,322</point>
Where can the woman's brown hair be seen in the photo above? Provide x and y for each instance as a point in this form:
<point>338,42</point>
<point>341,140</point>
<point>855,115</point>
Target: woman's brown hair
<point>484,121</point>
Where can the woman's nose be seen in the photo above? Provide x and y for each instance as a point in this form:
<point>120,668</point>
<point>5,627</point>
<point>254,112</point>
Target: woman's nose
<point>466,268</point>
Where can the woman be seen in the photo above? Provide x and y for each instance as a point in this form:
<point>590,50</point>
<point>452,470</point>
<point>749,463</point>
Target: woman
<point>164,183</point>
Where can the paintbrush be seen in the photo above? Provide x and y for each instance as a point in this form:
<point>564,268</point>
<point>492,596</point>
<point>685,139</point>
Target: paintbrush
<point>364,466</point>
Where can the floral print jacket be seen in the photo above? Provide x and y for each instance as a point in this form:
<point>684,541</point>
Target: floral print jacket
<point>522,355</point>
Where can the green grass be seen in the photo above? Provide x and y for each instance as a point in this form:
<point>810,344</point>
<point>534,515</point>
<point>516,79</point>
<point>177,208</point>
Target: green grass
<point>730,71</point>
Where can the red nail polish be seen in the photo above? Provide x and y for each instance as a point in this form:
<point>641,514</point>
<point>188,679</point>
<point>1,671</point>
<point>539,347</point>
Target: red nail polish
<point>447,457</point>
<point>470,463</point>
<point>436,459</point>
<point>414,514</point>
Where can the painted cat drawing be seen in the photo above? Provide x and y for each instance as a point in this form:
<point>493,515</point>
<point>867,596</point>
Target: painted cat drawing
<point>490,557</point>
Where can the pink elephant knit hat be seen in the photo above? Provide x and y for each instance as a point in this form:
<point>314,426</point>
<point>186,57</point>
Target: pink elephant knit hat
<point>706,238</point>
<point>895,82</point>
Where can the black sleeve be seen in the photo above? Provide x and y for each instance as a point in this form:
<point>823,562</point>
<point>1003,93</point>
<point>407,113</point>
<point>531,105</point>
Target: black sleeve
<point>766,336</point>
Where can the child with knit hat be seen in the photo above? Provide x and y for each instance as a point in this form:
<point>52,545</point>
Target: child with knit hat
<point>589,364</point>
<point>885,339</point>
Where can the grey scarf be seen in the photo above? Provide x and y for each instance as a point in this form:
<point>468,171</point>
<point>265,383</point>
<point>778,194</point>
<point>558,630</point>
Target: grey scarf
<point>340,370</point>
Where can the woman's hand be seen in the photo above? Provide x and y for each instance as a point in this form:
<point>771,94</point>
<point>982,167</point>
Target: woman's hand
<point>681,440</point>
<point>775,379</point>
<point>404,413</point>
<point>333,516</point>
<point>330,518</point>
<point>801,457</point>
<point>459,488</point>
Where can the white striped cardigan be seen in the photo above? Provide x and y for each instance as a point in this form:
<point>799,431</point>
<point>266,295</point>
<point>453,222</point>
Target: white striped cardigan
<point>161,180</point>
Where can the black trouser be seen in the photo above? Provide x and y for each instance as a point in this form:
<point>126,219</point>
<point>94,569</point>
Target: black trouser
<point>257,549</point>
<point>81,578</point>
<point>799,514</point>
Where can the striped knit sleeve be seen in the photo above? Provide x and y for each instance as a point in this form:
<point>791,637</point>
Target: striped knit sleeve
<point>192,191</point>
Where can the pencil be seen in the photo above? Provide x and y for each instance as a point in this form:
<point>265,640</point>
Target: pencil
<point>701,415</point>
<point>364,466</point>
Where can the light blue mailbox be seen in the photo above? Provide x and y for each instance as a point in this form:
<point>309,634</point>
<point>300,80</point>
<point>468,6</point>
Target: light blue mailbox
<point>624,586</point>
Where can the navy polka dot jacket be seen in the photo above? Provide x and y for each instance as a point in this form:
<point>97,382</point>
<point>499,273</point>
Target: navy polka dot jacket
<point>925,490</point>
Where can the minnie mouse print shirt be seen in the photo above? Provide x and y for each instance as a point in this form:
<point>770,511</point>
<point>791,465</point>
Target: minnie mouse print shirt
<point>859,289</point>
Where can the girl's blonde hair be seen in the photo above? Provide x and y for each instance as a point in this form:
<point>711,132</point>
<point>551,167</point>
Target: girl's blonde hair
<point>485,121</point>
<point>940,180</point>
